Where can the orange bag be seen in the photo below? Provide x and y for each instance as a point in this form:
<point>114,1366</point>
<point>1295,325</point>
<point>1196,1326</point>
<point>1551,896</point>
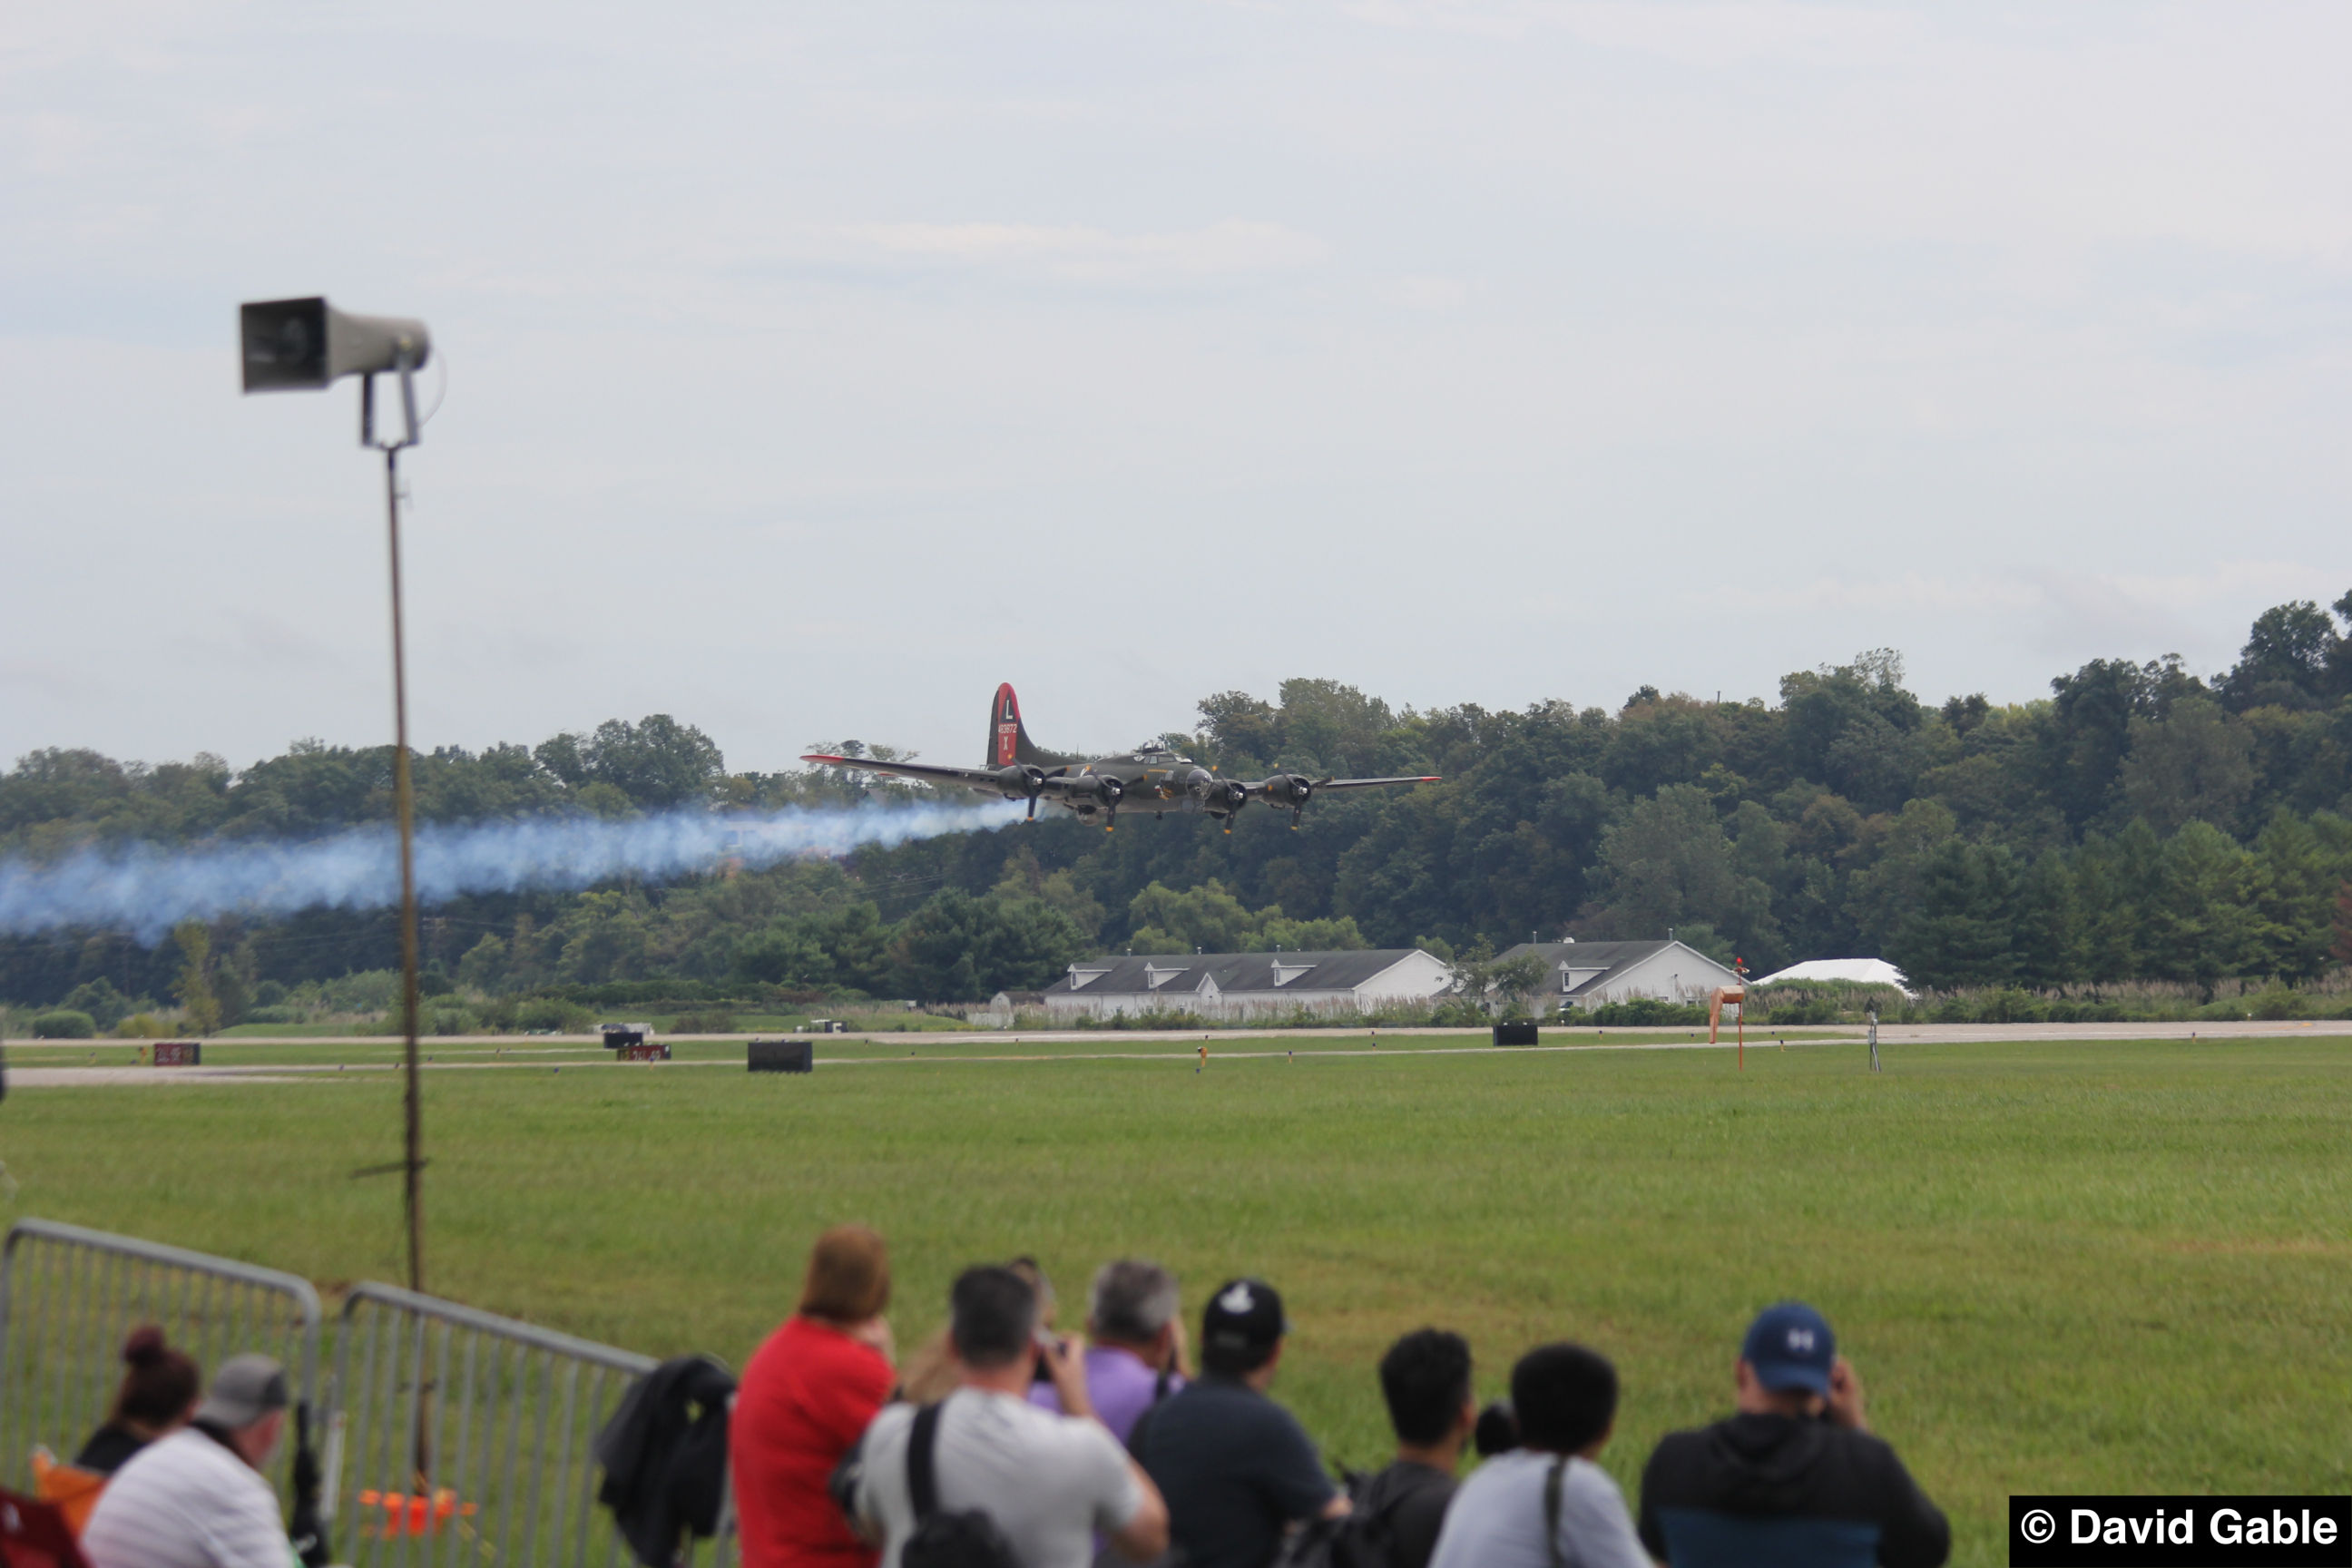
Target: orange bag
<point>71,1489</point>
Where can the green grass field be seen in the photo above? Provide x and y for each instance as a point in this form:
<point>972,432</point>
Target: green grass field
<point>2098,1267</point>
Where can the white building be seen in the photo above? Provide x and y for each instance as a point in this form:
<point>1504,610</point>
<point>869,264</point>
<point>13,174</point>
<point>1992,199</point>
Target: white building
<point>1865,971</point>
<point>1241,986</point>
<point>1587,974</point>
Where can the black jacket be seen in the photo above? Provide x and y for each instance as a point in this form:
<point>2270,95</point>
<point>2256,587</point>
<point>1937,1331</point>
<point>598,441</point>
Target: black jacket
<point>108,1449</point>
<point>665,1457</point>
<point>1762,1489</point>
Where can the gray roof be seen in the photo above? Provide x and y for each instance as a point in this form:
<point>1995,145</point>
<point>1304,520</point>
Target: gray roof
<point>1611,958</point>
<point>1233,972</point>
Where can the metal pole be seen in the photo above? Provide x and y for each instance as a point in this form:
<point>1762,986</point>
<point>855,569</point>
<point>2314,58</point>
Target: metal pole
<point>404,799</point>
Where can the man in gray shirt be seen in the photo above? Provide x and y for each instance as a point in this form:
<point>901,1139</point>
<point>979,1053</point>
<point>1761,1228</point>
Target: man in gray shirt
<point>1566,1400</point>
<point>1048,1482</point>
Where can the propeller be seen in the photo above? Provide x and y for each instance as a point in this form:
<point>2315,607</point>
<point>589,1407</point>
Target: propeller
<point>1232,794</point>
<point>1292,790</point>
<point>1024,779</point>
<point>1102,787</point>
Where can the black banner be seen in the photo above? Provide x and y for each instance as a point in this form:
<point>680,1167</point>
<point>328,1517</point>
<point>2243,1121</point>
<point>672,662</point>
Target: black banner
<point>2179,1531</point>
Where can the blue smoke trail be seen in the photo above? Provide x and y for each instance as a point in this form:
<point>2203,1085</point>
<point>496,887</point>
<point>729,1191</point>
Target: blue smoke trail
<point>145,889</point>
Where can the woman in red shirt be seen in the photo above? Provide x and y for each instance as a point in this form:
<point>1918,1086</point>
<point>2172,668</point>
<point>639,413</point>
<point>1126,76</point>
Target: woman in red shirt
<point>805,1400</point>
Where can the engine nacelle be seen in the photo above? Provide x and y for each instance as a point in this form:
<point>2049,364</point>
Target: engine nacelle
<point>1287,790</point>
<point>1094,789</point>
<point>1021,782</point>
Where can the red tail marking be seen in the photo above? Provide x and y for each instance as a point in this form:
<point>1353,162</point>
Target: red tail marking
<point>1005,728</point>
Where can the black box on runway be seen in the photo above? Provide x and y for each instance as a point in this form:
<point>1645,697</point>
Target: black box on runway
<point>1522,1033</point>
<point>782,1055</point>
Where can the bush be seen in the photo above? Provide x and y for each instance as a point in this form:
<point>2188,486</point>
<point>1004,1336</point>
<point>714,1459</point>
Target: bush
<point>2275,1001</point>
<point>1644,1012</point>
<point>542,1013</point>
<point>713,1022</point>
<point>276,1015</point>
<point>365,991</point>
<point>65,1024</point>
<point>101,1001</point>
<point>142,1026</point>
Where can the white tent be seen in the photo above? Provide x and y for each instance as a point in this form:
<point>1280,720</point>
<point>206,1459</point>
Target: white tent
<point>1869,971</point>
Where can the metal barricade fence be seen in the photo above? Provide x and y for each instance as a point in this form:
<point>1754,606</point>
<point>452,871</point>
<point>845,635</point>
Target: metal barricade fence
<point>68,1298</point>
<point>448,1436</point>
<point>455,1437</point>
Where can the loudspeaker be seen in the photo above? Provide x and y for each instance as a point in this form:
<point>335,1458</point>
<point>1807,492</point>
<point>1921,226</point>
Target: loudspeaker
<point>293,345</point>
<point>782,1055</point>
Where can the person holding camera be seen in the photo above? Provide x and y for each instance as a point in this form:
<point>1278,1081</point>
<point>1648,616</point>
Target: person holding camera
<point>1545,1503</point>
<point>1796,1475</point>
<point>1135,1351</point>
<point>1041,1486</point>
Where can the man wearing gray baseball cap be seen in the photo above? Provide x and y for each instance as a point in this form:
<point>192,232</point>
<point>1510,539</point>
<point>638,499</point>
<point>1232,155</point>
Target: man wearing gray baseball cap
<point>197,1498</point>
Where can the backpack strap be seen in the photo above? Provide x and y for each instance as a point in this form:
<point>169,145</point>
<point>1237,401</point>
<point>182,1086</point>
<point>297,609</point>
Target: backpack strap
<point>922,1478</point>
<point>1551,1510</point>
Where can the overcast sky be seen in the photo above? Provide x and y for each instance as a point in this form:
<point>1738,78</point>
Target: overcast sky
<point>811,368</point>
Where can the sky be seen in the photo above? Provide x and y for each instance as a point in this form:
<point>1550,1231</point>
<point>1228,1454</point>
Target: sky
<point>805,370</point>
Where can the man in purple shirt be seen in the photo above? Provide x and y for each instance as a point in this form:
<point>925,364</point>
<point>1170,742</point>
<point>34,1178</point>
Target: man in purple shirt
<point>1135,1356</point>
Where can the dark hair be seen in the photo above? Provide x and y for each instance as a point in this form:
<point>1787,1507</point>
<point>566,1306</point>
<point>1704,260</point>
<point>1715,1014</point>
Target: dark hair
<point>1498,1431</point>
<point>161,1385</point>
<point>993,1312</point>
<point>1425,1377</point>
<point>1564,1396</point>
<point>849,1277</point>
<point>1234,1361</point>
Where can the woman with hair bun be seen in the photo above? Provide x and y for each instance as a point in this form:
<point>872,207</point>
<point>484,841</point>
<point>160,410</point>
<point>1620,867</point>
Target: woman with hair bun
<point>158,1396</point>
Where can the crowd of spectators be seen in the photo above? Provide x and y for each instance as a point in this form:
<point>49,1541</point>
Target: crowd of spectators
<point>1005,1442</point>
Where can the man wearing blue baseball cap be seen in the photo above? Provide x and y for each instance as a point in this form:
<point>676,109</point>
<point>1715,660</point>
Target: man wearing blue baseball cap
<point>1795,1476</point>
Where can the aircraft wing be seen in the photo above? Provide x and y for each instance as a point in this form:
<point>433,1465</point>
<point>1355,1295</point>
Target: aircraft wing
<point>1361,784</point>
<point>979,778</point>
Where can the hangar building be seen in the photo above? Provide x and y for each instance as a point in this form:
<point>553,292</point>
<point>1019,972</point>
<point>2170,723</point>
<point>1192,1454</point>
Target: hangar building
<point>1585,974</point>
<point>1248,985</point>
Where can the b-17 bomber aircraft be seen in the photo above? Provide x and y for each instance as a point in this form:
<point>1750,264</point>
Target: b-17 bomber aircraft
<point>1151,777</point>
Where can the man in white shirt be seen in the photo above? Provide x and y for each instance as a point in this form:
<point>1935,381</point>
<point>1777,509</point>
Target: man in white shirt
<point>1566,1400</point>
<point>1049,1483</point>
<point>197,1498</point>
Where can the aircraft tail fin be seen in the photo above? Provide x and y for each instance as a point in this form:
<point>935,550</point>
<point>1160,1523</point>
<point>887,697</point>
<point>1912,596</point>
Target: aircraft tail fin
<point>1008,739</point>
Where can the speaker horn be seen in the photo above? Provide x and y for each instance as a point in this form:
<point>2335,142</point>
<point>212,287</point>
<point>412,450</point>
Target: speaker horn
<point>292,345</point>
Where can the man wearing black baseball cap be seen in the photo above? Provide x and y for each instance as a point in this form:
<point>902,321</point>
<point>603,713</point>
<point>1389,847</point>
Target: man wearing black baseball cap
<point>196,1498</point>
<point>1796,1476</point>
<point>1235,1467</point>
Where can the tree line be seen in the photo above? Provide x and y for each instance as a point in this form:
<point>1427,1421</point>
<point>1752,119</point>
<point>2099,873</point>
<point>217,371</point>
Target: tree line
<point>2140,823</point>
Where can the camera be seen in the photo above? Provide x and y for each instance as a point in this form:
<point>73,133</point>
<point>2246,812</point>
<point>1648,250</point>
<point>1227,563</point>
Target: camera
<point>1047,1347</point>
